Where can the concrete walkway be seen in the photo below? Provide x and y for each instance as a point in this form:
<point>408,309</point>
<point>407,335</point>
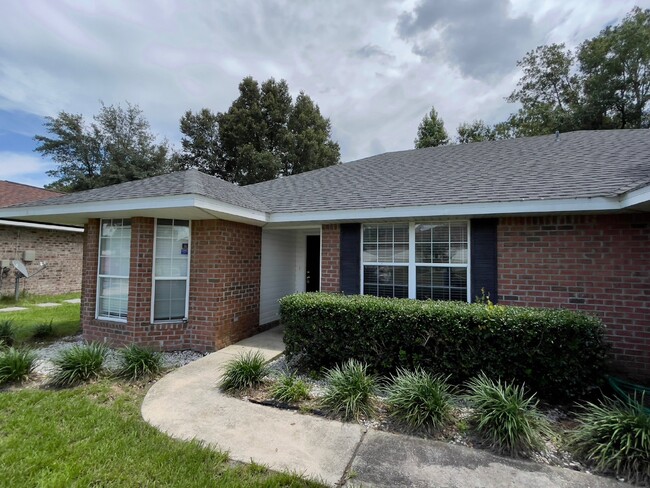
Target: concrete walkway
<point>187,404</point>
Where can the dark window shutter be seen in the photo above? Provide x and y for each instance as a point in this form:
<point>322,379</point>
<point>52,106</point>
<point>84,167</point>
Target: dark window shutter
<point>350,259</point>
<point>484,257</point>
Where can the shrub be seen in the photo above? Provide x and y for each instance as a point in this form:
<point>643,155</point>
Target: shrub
<point>78,364</point>
<point>506,417</point>
<point>7,333</point>
<point>246,371</point>
<point>420,399</point>
<point>615,435</point>
<point>350,390</point>
<point>559,354</point>
<point>16,365</point>
<point>288,388</point>
<point>43,330</point>
<point>138,362</point>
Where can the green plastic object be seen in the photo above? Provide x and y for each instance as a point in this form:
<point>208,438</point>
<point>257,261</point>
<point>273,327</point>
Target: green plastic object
<point>630,392</point>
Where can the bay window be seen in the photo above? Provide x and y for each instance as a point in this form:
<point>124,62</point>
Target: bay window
<point>171,270</point>
<point>113,272</point>
<point>423,260</point>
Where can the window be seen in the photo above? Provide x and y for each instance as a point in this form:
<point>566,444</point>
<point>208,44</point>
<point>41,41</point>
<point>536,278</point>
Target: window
<point>171,269</point>
<point>113,271</point>
<point>385,258</point>
<point>416,260</point>
<point>441,261</point>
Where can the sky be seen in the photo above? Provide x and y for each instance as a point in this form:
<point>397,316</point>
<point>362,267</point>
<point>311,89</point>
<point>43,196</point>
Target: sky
<point>374,67</point>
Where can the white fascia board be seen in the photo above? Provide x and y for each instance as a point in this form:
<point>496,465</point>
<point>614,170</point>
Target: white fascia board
<point>31,225</point>
<point>228,211</point>
<point>134,205</point>
<point>636,197</point>
<point>596,204</point>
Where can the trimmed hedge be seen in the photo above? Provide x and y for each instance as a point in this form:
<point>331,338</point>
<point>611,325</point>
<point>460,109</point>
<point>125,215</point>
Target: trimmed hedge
<point>559,354</point>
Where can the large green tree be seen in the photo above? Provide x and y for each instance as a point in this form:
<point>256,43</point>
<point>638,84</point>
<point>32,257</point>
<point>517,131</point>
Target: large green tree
<point>605,85</point>
<point>616,74</point>
<point>262,136</point>
<point>431,131</point>
<point>117,146</point>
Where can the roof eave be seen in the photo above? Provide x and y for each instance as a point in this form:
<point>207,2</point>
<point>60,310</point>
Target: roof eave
<point>187,206</point>
<point>489,209</point>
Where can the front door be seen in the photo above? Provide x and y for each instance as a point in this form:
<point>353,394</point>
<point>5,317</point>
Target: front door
<point>312,269</point>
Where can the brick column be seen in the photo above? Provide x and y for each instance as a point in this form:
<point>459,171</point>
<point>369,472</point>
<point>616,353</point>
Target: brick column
<point>89,274</point>
<point>224,283</point>
<point>330,258</point>
<point>140,273</point>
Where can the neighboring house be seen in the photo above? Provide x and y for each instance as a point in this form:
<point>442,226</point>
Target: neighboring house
<point>61,247</point>
<point>186,260</point>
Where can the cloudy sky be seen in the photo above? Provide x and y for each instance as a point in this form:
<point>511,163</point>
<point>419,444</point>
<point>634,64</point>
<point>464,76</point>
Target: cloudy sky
<point>374,67</point>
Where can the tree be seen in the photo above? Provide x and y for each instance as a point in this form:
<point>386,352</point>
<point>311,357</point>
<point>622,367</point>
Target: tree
<point>201,146</point>
<point>310,146</point>
<point>606,85</point>
<point>262,136</point>
<point>431,131</point>
<point>476,131</point>
<point>117,146</point>
<point>616,74</point>
<point>548,91</point>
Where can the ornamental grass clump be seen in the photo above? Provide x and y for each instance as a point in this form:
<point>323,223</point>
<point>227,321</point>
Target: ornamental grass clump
<point>290,389</point>
<point>506,417</point>
<point>420,399</point>
<point>614,435</point>
<point>78,364</point>
<point>44,330</point>
<point>246,371</point>
<point>7,333</point>
<point>16,365</point>
<point>137,362</point>
<point>350,390</point>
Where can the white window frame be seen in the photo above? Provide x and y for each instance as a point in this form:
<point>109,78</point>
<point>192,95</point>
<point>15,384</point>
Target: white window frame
<point>187,278</point>
<point>412,264</point>
<point>100,276</point>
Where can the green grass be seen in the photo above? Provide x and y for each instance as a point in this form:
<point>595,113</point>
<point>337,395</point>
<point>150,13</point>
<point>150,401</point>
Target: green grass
<point>94,436</point>
<point>506,416</point>
<point>65,318</point>
<point>245,371</point>
<point>137,362</point>
<point>350,391</point>
<point>290,389</point>
<point>615,435</point>
<point>78,364</point>
<point>420,399</point>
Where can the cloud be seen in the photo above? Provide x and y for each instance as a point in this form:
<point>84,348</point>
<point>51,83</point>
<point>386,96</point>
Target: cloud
<point>22,167</point>
<point>480,37</point>
<point>374,67</point>
<point>372,51</point>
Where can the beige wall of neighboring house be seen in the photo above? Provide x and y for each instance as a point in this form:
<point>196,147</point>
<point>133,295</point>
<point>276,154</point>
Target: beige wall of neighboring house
<point>60,247</point>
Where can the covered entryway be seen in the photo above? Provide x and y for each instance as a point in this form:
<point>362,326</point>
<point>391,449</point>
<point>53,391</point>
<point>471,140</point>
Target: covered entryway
<point>291,261</point>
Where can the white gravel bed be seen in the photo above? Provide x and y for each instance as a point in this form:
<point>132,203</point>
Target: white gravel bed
<point>45,355</point>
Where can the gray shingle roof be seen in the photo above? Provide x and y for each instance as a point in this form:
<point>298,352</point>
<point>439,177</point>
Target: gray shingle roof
<point>580,164</point>
<point>191,182</point>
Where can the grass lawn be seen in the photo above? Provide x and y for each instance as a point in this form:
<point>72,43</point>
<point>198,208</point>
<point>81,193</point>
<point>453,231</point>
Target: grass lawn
<point>65,318</point>
<point>93,435</point>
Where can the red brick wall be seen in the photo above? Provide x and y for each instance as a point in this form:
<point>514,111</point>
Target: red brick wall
<point>62,251</point>
<point>598,263</point>
<point>330,258</point>
<point>224,288</point>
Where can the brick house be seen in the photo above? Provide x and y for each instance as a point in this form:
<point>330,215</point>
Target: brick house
<point>186,260</point>
<point>60,246</point>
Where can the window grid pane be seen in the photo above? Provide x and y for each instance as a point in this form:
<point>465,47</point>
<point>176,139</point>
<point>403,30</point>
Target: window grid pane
<point>171,269</point>
<point>441,259</point>
<point>113,272</point>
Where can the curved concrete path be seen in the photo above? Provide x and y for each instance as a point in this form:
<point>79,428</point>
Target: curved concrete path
<point>187,404</point>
